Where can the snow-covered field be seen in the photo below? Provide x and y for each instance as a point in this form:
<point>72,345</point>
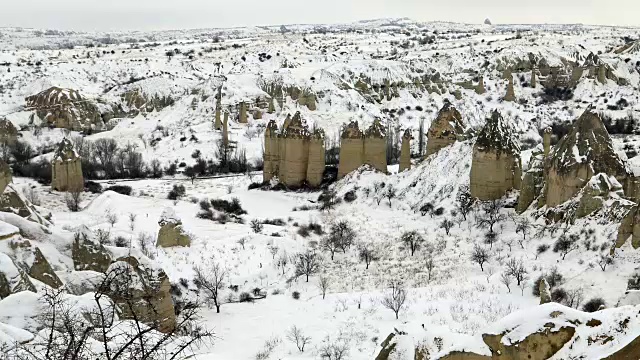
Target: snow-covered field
<point>448,302</point>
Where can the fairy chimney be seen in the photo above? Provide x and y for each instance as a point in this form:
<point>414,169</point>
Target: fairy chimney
<point>511,96</point>
<point>351,149</point>
<point>316,162</point>
<point>405,151</point>
<point>480,87</point>
<point>375,146</point>
<point>495,166</point>
<point>8,132</point>
<point>445,129</point>
<point>271,151</point>
<point>242,117</point>
<point>66,168</point>
<point>225,129</point>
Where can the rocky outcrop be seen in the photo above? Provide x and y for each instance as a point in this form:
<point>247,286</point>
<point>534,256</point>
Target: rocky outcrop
<point>511,95</point>
<point>271,152</point>
<point>587,150</point>
<point>65,108</point>
<point>12,201</point>
<point>358,148</point>
<point>532,181</point>
<point>8,132</point>
<point>12,278</point>
<point>29,257</point>
<point>6,175</point>
<point>295,155</point>
<point>137,101</point>
<point>171,232</point>
<point>225,129</point>
<point>316,162</point>
<point>89,255</point>
<point>445,129</point>
<point>375,146</point>
<point>66,168</point>
<point>141,292</point>
<point>495,168</point>
<point>351,149</point>
<point>480,87</point>
<point>242,114</point>
<point>405,151</point>
<point>545,293</point>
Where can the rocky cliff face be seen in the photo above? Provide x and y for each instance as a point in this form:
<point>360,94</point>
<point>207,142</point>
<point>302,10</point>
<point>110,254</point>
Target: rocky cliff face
<point>65,108</point>
<point>445,129</point>
<point>351,149</point>
<point>375,146</point>
<point>584,152</point>
<point>495,167</point>
<point>171,232</point>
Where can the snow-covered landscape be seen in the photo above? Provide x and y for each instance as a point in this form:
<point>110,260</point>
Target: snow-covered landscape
<point>467,192</point>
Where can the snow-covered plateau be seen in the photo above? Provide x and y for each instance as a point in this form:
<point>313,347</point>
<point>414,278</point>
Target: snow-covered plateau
<point>485,207</point>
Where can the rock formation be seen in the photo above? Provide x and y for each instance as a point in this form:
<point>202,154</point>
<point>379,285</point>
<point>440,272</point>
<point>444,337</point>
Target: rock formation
<point>242,115</point>
<point>271,152</point>
<point>351,149</point>
<point>137,101</point>
<point>88,254</point>
<point>511,95</point>
<point>225,129</point>
<point>375,146</point>
<point>495,167</point>
<point>533,179</point>
<point>8,132</point>
<point>534,81</point>
<point>445,129</point>
<point>141,292</point>
<point>295,155</point>
<point>272,107</point>
<point>5,176</point>
<point>65,108</point>
<point>29,257</point>
<point>545,293</point>
<point>12,278</point>
<point>171,232</point>
<point>405,151</point>
<point>217,125</point>
<point>585,151</point>
<point>358,148</point>
<point>66,168</point>
<point>480,87</point>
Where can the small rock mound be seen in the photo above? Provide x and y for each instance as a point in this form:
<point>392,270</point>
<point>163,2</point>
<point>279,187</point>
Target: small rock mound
<point>171,232</point>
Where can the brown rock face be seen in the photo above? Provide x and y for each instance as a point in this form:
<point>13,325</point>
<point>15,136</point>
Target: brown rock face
<point>271,152</point>
<point>587,150</point>
<point>375,146</point>
<point>5,176</point>
<point>137,101</point>
<point>12,279</point>
<point>351,149</point>
<point>30,258</point>
<point>405,151</point>
<point>295,156</point>
<point>445,129</point>
<point>495,167</point>
<point>66,168</point>
<point>242,117</point>
<point>511,95</point>
<point>65,108</point>
<point>225,129</point>
<point>141,293</point>
<point>537,346</point>
<point>89,255</point>
<point>171,232</point>
<point>8,132</point>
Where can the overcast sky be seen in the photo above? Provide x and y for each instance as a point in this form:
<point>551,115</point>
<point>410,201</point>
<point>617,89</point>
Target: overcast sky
<point>178,14</point>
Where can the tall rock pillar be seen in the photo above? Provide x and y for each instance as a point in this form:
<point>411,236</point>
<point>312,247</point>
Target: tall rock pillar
<point>351,149</point>
<point>405,151</point>
<point>375,146</point>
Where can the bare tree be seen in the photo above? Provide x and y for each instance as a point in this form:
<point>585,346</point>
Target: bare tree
<point>73,200</point>
<point>464,201</point>
<point>324,283</point>
<point>523,285</point>
<point>242,242</point>
<point>565,244</point>
<point>516,269</point>
<point>274,251</point>
<point>430,264</point>
<point>112,218</point>
<point>283,261</point>
<point>330,243</point>
<point>367,253</point>
<point>413,240</point>
<point>308,263</point>
<point>395,298</point>
<point>390,193</point>
<point>523,225</point>
<point>447,225</point>
<point>132,221</point>
<point>480,256</point>
<point>211,281</point>
<point>604,261</point>
<point>343,235</point>
<point>491,214</point>
<point>505,278</point>
<point>490,272</point>
<point>330,350</point>
<point>295,335</point>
